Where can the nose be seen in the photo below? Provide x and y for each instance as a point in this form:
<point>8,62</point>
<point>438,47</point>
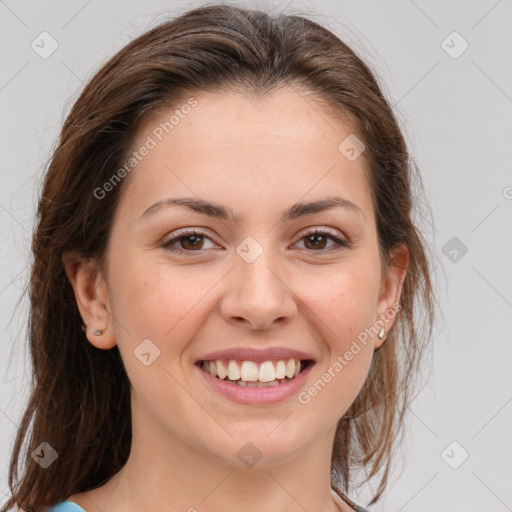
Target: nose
<point>257,295</point>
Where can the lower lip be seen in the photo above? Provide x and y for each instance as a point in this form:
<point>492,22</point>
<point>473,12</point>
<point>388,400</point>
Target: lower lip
<point>256,396</point>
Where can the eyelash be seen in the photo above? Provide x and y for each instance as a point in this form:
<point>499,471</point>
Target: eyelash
<point>196,231</point>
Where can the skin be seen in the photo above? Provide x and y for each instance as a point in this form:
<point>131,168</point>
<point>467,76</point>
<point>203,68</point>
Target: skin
<point>258,157</point>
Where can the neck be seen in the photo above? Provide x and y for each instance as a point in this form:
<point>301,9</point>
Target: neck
<point>163,470</point>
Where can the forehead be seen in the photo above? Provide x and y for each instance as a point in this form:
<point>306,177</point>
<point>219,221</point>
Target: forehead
<point>238,147</point>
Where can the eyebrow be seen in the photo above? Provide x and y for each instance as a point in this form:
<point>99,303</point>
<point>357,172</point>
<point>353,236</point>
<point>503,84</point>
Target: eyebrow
<point>221,212</point>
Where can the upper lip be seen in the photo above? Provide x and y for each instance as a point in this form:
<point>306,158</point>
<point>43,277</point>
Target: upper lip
<point>257,355</point>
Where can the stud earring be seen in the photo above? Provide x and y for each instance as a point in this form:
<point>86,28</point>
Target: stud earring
<point>383,334</point>
<point>96,332</point>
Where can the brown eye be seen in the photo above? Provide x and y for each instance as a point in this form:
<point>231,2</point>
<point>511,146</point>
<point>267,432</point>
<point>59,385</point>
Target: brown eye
<point>317,241</point>
<point>189,241</point>
<point>192,241</point>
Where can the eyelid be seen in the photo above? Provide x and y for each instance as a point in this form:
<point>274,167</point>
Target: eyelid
<point>321,229</point>
<point>189,231</point>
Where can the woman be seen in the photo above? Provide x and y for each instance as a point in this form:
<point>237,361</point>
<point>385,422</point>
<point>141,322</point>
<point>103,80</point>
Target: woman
<point>224,275</point>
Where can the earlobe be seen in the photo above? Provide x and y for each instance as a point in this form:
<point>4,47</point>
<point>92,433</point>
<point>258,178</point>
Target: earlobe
<point>383,334</point>
<point>91,298</point>
<point>391,290</point>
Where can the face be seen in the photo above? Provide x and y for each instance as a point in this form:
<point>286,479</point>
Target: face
<point>257,275</point>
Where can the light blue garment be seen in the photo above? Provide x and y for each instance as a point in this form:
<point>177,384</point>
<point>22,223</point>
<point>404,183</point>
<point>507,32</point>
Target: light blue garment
<point>69,506</point>
<point>66,506</point>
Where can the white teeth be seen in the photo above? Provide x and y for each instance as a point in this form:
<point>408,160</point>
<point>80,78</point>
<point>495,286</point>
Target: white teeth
<point>260,384</point>
<point>222,371</point>
<point>233,371</point>
<point>290,368</point>
<point>280,370</point>
<point>250,373</point>
<point>267,372</point>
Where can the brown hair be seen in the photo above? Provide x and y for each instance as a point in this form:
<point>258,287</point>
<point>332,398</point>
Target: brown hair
<point>79,401</point>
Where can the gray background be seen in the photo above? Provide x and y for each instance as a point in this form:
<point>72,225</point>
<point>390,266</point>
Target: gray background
<point>457,116</point>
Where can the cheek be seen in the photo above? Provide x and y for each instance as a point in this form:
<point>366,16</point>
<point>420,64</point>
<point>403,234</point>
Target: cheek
<point>344,301</point>
<point>344,308</point>
<point>156,301</point>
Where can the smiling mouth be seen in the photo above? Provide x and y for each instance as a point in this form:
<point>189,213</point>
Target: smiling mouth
<point>253,374</point>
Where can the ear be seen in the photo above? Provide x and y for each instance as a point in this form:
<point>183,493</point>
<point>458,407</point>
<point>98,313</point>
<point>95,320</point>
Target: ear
<point>391,288</point>
<point>91,297</point>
